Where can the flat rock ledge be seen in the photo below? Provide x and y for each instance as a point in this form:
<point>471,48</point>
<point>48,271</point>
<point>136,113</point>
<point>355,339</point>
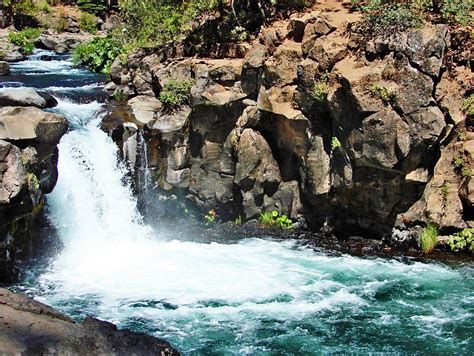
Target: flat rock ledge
<point>28,327</point>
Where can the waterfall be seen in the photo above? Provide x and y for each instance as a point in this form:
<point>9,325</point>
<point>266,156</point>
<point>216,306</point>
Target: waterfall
<point>144,176</point>
<point>253,296</point>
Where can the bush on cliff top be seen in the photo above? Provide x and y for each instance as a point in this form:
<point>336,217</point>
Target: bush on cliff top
<point>388,16</point>
<point>25,38</point>
<point>98,54</point>
<point>150,23</point>
<point>175,93</point>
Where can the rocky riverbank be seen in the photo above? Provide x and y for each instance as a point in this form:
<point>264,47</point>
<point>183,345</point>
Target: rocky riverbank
<point>312,119</point>
<point>28,170</point>
<point>32,328</point>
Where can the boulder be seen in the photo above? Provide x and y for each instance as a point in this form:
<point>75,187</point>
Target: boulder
<point>298,24</point>
<point>26,123</point>
<point>11,55</point>
<point>29,325</point>
<point>279,101</point>
<point>145,108</point>
<point>316,169</point>
<point>415,89</point>
<point>327,51</point>
<point>280,69</point>
<point>286,200</point>
<point>426,48</point>
<point>257,173</point>
<point>169,122</point>
<point>320,27</point>
<point>382,140</point>
<point>62,42</point>
<point>25,97</point>
<point>440,202</point>
<point>4,68</point>
<point>12,172</point>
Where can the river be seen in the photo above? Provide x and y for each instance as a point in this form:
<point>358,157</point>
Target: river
<point>253,296</point>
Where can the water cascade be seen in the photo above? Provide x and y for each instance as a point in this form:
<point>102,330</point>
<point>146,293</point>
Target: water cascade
<point>253,296</point>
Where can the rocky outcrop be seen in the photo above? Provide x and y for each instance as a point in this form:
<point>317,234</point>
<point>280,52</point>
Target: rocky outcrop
<point>314,122</point>
<point>62,42</point>
<point>8,51</point>
<point>28,170</point>
<point>26,97</point>
<point>30,327</point>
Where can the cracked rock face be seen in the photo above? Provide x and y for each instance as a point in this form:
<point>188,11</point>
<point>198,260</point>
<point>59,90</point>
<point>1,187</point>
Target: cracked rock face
<point>360,154</point>
<point>28,170</point>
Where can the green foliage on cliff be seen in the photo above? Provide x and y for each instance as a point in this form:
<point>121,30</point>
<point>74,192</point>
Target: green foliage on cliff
<point>93,6</point>
<point>274,219</point>
<point>388,16</point>
<point>429,238</point>
<point>468,105</point>
<point>176,93</point>
<point>463,240</point>
<point>25,38</point>
<point>33,181</point>
<point>320,91</point>
<point>382,93</point>
<point>88,22</point>
<point>98,54</point>
<point>335,143</point>
<point>150,23</point>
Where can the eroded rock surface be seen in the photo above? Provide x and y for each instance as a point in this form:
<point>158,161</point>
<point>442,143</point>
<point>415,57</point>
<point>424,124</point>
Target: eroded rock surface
<point>28,170</point>
<point>30,327</point>
<point>315,123</point>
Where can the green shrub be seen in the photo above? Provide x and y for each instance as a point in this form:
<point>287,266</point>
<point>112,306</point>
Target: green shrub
<point>320,91</point>
<point>274,219</point>
<point>239,34</point>
<point>466,172</point>
<point>211,217</point>
<point>321,88</point>
<point>118,95</point>
<point>335,143</point>
<point>445,190</point>
<point>468,105</point>
<point>383,18</point>
<point>457,11</point>
<point>463,240</point>
<point>389,16</point>
<point>96,7</point>
<point>98,54</point>
<point>266,219</point>
<point>88,23</point>
<point>238,220</point>
<point>429,238</point>
<point>25,38</point>
<point>33,181</point>
<point>176,93</point>
<point>382,93</point>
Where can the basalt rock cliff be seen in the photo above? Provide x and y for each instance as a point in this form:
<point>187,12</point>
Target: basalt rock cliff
<point>312,119</point>
<point>28,171</point>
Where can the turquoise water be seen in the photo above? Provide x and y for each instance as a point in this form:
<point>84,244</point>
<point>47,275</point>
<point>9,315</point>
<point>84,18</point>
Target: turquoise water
<point>265,297</point>
<point>253,296</point>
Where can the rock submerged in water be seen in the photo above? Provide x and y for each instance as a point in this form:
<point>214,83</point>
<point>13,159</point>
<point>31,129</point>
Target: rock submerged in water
<point>4,68</point>
<point>30,327</point>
